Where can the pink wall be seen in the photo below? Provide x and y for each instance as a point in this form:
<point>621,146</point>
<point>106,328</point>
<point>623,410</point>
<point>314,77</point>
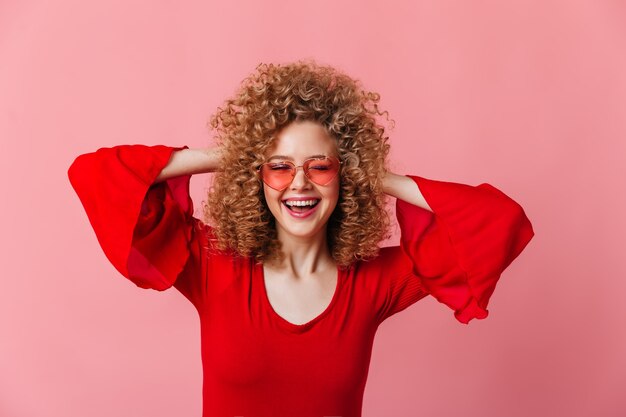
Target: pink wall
<point>529,96</point>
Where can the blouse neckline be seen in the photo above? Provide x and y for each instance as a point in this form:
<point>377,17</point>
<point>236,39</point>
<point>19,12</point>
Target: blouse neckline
<point>284,323</point>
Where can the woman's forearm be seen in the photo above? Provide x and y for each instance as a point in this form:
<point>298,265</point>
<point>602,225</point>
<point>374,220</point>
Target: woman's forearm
<point>190,161</point>
<point>404,188</point>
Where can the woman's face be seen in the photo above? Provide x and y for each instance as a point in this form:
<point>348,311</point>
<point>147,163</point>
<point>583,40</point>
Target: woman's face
<point>297,142</point>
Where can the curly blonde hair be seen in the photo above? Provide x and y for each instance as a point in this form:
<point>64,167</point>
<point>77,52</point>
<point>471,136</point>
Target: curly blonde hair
<point>247,125</point>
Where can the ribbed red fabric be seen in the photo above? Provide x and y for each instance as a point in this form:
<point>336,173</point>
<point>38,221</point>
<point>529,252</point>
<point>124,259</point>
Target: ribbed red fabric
<point>256,363</point>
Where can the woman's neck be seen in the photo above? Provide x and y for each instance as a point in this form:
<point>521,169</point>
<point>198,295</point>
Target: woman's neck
<point>304,256</point>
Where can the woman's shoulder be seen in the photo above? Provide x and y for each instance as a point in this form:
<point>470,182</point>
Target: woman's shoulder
<point>389,259</point>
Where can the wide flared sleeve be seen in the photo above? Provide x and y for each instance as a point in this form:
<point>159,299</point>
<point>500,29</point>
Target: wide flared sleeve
<point>460,249</point>
<point>144,228</point>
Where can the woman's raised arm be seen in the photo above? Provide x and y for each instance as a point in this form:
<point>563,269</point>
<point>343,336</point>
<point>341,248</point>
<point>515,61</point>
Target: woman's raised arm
<point>191,161</point>
<point>146,228</point>
<point>459,248</point>
<point>404,188</point>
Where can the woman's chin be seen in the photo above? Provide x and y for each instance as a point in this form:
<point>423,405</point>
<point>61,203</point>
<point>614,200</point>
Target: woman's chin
<point>301,230</point>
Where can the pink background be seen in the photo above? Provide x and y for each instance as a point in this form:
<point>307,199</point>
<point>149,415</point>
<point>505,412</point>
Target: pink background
<point>529,96</point>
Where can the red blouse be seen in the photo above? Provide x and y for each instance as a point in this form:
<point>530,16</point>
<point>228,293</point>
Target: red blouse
<point>257,364</point>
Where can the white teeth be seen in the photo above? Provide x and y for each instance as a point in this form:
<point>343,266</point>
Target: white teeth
<point>301,203</point>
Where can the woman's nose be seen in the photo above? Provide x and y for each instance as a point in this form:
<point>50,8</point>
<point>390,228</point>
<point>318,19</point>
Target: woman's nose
<point>300,180</point>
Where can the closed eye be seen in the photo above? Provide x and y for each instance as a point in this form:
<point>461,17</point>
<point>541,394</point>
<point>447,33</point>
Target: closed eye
<point>279,167</point>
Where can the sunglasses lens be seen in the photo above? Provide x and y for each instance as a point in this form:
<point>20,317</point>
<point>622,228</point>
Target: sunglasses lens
<point>321,171</point>
<point>277,174</point>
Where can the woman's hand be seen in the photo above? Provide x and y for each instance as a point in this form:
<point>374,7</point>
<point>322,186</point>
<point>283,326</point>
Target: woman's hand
<point>404,188</point>
<point>191,161</point>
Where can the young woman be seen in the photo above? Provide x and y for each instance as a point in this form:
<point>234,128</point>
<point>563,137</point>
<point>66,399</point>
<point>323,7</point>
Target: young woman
<point>285,271</point>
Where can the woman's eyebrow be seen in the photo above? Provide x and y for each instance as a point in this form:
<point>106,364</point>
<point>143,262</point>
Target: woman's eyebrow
<point>290,158</point>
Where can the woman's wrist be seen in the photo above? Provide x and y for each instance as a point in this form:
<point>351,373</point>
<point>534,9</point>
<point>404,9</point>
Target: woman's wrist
<point>214,156</point>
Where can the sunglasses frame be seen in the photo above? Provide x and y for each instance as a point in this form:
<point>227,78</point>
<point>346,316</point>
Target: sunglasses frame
<point>295,170</point>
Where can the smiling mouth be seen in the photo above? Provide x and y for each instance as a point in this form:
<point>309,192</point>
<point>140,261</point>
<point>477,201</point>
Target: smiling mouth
<point>301,209</point>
